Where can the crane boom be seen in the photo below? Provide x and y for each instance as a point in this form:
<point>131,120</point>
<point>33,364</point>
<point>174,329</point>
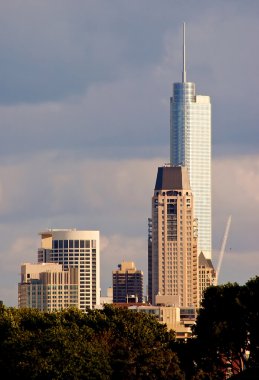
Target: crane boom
<point>223,245</point>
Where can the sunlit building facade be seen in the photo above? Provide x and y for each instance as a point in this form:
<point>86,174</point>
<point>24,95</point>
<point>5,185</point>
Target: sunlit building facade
<point>75,249</point>
<point>207,275</point>
<point>47,287</point>
<point>173,262</point>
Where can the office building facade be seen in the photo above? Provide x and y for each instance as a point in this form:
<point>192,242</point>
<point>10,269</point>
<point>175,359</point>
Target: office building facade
<point>47,287</point>
<point>190,146</point>
<point>75,249</point>
<point>127,283</point>
<point>173,263</point>
<point>149,292</point>
<point>207,275</point>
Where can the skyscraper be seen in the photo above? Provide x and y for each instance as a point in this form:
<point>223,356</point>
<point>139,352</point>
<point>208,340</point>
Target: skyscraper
<point>190,146</point>
<point>75,249</point>
<point>127,283</point>
<point>173,262</point>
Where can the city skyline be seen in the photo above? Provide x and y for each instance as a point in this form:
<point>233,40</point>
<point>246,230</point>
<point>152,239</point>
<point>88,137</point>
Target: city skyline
<point>84,104</point>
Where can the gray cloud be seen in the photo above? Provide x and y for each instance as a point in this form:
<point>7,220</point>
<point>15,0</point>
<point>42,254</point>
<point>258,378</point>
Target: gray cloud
<point>111,116</point>
<point>102,74</point>
<point>115,197</point>
<point>55,49</point>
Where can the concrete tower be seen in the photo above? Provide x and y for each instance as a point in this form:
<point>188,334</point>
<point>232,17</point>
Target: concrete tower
<point>173,262</point>
<point>190,146</point>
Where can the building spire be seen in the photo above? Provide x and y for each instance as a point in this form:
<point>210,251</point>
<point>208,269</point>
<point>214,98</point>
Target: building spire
<point>184,68</point>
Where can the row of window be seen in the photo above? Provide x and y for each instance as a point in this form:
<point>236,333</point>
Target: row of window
<point>73,244</point>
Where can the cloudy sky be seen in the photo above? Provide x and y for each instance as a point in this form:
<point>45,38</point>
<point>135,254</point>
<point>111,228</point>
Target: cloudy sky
<point>84,120</point>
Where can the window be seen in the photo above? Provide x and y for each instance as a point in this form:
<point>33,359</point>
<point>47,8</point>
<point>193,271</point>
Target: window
<point>55,244</point>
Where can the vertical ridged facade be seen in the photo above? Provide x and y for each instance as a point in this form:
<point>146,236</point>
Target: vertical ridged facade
<point>190,146</point>
<point>47,287</point>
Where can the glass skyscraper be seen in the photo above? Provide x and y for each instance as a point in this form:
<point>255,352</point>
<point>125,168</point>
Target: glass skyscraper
<point>190,146</point>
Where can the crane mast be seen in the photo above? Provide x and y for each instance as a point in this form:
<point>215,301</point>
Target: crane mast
<point>223,245</point>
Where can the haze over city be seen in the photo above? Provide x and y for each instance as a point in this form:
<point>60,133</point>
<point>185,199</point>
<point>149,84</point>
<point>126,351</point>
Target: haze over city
<point>84,117</point>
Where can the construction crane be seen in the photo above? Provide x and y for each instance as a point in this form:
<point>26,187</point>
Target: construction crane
<point>223,245</point>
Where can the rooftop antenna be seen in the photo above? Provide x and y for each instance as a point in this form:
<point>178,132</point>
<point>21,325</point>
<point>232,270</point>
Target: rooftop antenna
<point>184,68</point>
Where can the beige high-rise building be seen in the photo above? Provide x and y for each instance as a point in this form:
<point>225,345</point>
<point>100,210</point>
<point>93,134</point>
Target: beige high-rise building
<point>207,274</point>
<point>48,287</point>
<point>173,262</point>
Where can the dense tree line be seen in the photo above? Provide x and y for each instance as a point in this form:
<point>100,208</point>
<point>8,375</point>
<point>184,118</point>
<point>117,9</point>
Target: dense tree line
<point>121,344</point>
<point>226,335</point>
<point>109,344</point>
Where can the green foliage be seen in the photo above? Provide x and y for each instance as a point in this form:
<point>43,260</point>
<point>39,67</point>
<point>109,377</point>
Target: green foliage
<point>251,298</point>
<point>221,329</point>
<point>121,344</point>
<point>227,328</point>
<point>50,346</point>
<point>108,344</point>
<point>221,319</point>
<point>140,347</point>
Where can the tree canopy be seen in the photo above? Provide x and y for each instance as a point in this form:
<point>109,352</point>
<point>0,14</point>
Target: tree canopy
<point>108,344</point>
<point>116,343</point>
<point>227,333</point>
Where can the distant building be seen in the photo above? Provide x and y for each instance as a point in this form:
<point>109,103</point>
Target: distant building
<point>67,255</point>
<point>177,319</point>
<point>207,274</point>
<point>108,299</point>
<point>127,283</point>
<point>75,249</point>
<point>150,268</point>
<point>173,262</point>
<point>48,287</point>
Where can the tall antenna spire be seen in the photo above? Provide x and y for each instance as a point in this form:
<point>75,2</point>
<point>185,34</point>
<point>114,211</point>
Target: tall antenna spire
<point>184,68</point>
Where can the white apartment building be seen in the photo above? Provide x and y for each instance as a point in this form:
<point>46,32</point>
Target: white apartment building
<point>72,248</point>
